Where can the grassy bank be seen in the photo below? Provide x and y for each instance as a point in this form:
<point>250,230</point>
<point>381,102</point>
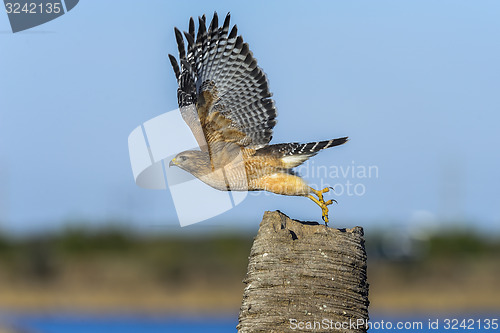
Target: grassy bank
<point>112,270</point>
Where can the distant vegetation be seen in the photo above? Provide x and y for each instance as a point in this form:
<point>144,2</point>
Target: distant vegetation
<point>181,259</point>
<point>178,259</point>
<point>112,268</point>
<point>168,258</point>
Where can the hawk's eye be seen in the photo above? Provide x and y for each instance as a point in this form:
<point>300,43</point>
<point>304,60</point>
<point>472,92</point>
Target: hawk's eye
<point>182,158</point>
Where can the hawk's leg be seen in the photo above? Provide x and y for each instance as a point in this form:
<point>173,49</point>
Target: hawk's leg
<point>321,202</point>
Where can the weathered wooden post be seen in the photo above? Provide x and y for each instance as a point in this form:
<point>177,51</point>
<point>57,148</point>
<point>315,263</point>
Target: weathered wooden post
<point>305,277</point>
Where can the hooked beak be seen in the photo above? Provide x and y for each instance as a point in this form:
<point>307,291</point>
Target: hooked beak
<point>172,162</point>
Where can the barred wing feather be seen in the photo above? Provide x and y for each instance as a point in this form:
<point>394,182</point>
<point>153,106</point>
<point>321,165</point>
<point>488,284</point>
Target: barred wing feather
<point>220,77</point>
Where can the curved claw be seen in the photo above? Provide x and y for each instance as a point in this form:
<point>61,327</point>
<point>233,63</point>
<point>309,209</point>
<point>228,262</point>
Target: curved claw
<point>321,202</point>
<point>329,202</point>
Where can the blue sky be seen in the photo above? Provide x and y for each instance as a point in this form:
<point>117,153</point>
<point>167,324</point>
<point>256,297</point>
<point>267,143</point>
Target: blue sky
<point>415,85</point>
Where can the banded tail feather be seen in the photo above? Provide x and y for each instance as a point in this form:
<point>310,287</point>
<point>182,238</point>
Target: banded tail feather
<point>315,147</point>
<point>294,154</point>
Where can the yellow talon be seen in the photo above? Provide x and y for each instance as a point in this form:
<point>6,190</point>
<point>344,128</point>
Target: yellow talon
<point>321,202</point>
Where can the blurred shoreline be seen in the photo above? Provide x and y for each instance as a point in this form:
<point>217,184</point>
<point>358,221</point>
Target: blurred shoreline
<point>115,272</point>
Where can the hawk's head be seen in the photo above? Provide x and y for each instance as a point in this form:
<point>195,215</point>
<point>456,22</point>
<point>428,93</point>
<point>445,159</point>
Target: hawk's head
<point>193,161</point>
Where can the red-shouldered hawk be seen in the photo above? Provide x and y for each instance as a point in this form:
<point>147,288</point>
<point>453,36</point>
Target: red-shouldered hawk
<point>224,98</point>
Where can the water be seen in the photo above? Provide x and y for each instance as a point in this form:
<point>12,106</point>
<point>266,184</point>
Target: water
<point>121,324</point>
<point>147,324</point>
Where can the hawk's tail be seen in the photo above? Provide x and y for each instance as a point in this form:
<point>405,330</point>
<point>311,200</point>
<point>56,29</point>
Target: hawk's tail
<point>294,154</point>
<point>315,147</point>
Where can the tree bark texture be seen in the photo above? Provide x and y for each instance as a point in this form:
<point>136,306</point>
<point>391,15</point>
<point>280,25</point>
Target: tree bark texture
<point>305,277</point>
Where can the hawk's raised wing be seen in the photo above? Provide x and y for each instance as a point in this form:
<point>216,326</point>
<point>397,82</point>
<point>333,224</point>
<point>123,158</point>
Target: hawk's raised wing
<point>223,95</point>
